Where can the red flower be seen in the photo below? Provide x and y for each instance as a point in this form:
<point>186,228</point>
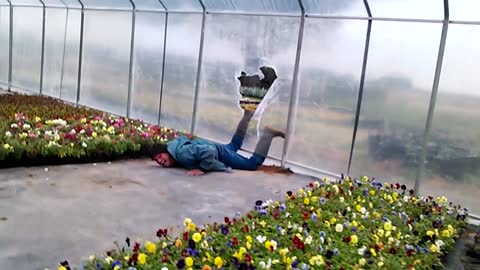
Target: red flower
<point>305,216</point>
<point>271,248</point>
<point>227,220</point>
<point>247,229</point>
<point>234,220</point>
<point>248,258</point>
<point>397,185</point>
<point>185,236</point>
<point>301,246</point>
<point>347,239</point>
<point>409,253</point>
<point>393,251</point>
<point>310,185</point>
<point>352,188</point>
<point>235,241</point>
<point>136,247</point>
<point>296,240</point>
<point>249,216</point>
<point>162,233</point>
<point>165,258</point>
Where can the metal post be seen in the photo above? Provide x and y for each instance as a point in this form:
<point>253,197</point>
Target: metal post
<point>163,64</point>
<point>10,48</point>
<point>199,70</point>
<point>80,54</point>
<point>433,98</point>
<point>64,49</point>
<point>292,109</point>
<point>361,86</point>
<point>42,62</point>
<point>132,59</point>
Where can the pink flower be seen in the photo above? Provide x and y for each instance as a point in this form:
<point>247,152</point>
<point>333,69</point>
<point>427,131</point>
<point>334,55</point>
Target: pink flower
<point>145,135</point>
<point>32,135</point>
<point>97,118</point>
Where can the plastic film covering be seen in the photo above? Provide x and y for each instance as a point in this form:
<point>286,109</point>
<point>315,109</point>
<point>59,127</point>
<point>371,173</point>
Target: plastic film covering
<point>331,65</point>
<point>4,3</point>
<point>55,23</point>
<point>453,156</point>
<point>262,6</point>
<point>26,3</point>
<point>183,5</point>
<point>245,43</point>
<point>464,10</point>
<point>152,5</point>
<point>400,72</point>
<point>27,48</point>
<point>181,61</point>
<point>106,60</point>
<point>72,3</point>
<point>54,3</point>
<point>4,42</point>
<point>410,9</point>
<point>72,56</point>
<point>335,7</point>
<point>148,55</point>
<point>108,4</point>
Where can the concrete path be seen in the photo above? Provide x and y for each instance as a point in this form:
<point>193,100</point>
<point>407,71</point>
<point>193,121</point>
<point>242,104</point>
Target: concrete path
<point>73,211</point>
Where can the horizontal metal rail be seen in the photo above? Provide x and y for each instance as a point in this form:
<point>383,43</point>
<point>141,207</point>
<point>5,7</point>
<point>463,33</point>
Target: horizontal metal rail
<point>254,14</point>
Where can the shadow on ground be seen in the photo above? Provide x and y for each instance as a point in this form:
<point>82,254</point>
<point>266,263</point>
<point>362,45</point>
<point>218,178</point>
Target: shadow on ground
<point>73,211</point>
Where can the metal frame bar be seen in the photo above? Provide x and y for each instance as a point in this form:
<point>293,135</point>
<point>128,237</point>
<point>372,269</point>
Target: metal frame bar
<point>80,53</point>
<point>64,49</point>
<point>42,61</point>
<point>10,47</point>
<point>361,86</point>
<point>199,70</point>
<point>433,98</point>
<point>132,60</point>
<point>163,64</point>
<point>274,14</point>
<point>292,108</point>
<point>374,18</point>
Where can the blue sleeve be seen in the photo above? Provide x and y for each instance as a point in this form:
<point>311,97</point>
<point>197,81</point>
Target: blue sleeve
<point>206,154</point>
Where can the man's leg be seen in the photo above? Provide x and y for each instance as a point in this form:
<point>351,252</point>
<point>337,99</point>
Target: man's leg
<point>263,145</point>
<point>237,139</point>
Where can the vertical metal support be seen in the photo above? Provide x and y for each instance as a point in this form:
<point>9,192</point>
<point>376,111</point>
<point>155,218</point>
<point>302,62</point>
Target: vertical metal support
<point>132,59</point>
<point>80,54</point>
<point>199,70</point>
<point>42,62</point>
<point>361,86</point>
<point>64,46</point>
<point>163,67</point>
<point>10,48</point>
<point>292,109</point>
<point>433,98</point>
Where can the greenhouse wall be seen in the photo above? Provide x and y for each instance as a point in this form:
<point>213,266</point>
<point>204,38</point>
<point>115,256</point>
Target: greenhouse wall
<point>365,87</point>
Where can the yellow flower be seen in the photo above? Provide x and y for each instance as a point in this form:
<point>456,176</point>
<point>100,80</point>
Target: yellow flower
<point>191,226</point>
<point>218,262</point>
<point>242,250</point>
<point>249,245</point>
<point>374,253</point>
<point>314,199</point>
<point>61,267</point>
<point>142,258</point>
<point>249,239</point>
<point>196,237</point>
<point>446,233</point>
<point>380,263</point>
<point>306,201</point>
<point>358,207</point>
<point>370,204</point>
<point>430,233</point>
<point>372,192</point>
<point>6,146</point>
<point>327,224</point>
<point>178,243</point>
<point>117,267</point>
<point>151,247</point>
<point>354,239</point>
<point>333,220</point>
<point>309,193</point>
<point>283,251</point>
<point>355,223</point>
<point>316,260</point>
<point>387,226</point>
<point>263,223</point>
<point>189,261</point>
<point>92,258</point>
<point>94,134</point>
<point>208,256</point>
<point>109,259</point>
<point>395,195</point>
<point>300,192</point>
<point>83,120</point>
<point>364,178</point>
<point>433,248</point>
<point>268,244</point>
<point>362,261</point>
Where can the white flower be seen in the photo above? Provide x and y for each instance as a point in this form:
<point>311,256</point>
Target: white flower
<point>354,216</point>
<point>26,126</point>
<point>406,198</point>
<point>341,199</point>
<point>363,210</point>
<point>164,268</point>
<point>439,243</point>
<point>361,251</point>
<point>322,240</point>
<point>339,228</point>
<point>349,209</point>
<point>274,244</point>
<point>82,131</point>
<point>261,239</point>
<point>8,134</point>
<point>14,126</point>
<point>309,240</point>
<point>84,145</point>
<point>73,131</point>
<point>262,265</point>
<point>92,258</point>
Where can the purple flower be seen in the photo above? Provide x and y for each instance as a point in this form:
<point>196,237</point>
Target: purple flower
<point>314,216</point>
<point>354,229</point>
<point>282,207</point>
<point>263,212</point>
<point>365,192</point>
<point>323,200</point>
<point>224,229</point>
<point>181,264</point>
<point>294,264</point>
<point>230,244</point>
<point>279,229</point>
<point>320,250</point>
<point>116,263</point>
<point>323,234</point>
<point>335,251</point>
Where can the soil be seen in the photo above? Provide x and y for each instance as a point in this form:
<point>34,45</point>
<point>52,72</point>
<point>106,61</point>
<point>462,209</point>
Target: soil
<point>272,169</point>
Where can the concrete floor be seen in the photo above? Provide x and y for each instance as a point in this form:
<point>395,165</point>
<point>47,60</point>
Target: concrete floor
<point>73,211</point>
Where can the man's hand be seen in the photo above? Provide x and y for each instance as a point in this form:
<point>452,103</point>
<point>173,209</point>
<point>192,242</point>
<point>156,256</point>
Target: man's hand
<point>195,172</point>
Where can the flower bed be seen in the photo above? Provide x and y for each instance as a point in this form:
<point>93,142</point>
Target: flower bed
<point>39,130</point>
<point>341,224</point>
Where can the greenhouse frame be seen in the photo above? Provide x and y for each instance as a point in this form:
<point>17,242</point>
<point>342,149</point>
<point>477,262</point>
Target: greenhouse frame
<point>365,87</point>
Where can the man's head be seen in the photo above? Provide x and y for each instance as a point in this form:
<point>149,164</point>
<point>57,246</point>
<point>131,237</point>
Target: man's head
<point>165,159</point>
